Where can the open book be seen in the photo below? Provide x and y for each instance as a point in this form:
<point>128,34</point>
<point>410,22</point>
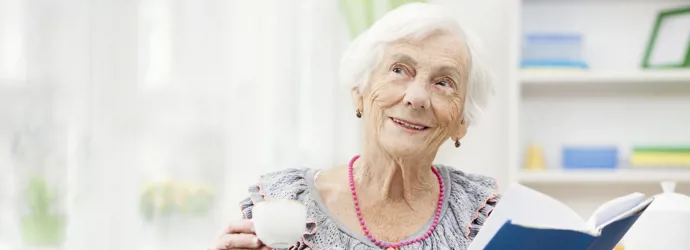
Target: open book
<point>525,219</point>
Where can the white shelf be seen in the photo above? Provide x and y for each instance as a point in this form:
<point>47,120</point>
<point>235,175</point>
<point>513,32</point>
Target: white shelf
<point>629,176</point>
<point>528,77</point>
<point>598,83</point>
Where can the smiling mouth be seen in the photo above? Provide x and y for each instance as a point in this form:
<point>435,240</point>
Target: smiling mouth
<point>409,125</point>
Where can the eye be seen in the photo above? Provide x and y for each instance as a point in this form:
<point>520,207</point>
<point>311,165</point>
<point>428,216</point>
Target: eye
<point>399,70</point>
<point>443,83</point>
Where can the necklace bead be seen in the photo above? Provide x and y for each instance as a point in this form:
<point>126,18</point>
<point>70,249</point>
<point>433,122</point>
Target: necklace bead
<point>363,225</point>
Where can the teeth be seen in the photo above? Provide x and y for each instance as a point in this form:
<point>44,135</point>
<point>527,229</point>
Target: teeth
<point>407,125</point>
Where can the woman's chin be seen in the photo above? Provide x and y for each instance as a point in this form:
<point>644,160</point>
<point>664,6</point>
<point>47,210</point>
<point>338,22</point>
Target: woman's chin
<point>405,148</point>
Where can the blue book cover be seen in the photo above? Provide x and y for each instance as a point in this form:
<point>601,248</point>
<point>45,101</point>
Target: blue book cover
<point>529,220</point>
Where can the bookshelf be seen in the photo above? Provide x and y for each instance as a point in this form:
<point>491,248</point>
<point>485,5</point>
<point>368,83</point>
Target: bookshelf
<point>621,176</point>
<point>655,77</point>
<point>614,102</point>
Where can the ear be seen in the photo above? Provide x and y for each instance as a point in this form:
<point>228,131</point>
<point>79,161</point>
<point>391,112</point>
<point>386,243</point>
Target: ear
<point>357,99</point>
<point>461,130</point>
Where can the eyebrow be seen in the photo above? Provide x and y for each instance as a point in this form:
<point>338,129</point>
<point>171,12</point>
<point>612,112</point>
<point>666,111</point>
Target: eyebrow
<point>450,70</point>
<point>405,58</point>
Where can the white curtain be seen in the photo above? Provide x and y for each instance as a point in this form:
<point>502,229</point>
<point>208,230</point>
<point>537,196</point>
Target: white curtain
<point>104,100</point>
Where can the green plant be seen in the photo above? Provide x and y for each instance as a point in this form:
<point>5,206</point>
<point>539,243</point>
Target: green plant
<point>361,14</point>
<point>168,197</point>
<point>42,225</point>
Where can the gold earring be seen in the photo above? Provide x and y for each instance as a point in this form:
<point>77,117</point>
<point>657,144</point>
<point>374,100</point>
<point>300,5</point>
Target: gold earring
<point>359,114</point>
<point>457,143</point>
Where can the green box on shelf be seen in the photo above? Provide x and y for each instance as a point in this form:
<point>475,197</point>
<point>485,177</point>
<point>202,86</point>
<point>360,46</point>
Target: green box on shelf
<point>662,149</point>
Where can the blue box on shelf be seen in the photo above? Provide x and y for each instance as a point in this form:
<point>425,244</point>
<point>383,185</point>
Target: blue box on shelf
<point>553,50</point>
<point>590,157</point>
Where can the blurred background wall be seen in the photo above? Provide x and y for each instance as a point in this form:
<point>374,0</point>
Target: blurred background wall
<point>139,124</point>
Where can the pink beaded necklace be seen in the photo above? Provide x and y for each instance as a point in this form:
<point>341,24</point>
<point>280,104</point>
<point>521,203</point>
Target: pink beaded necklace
<point>402,243</point>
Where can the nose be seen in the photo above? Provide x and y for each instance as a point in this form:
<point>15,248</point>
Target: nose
<point>417,96</point>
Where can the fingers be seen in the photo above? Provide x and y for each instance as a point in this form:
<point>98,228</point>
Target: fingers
<point>240,227</point>
<point>240,235</point>
<point>239,241</point>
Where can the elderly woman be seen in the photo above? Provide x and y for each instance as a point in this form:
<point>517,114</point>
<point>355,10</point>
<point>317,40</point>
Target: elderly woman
<point>416,82</point>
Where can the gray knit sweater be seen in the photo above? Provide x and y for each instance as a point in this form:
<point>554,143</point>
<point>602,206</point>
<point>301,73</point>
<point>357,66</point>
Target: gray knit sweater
<point>468,201</point>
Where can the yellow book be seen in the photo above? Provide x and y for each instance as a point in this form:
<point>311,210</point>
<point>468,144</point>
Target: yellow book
<point>660,158</point>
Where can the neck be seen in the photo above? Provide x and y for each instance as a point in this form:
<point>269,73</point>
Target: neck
<point>383,177</point>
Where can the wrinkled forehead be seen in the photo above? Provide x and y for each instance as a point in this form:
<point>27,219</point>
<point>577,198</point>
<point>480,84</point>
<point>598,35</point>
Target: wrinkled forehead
<point>442,49</point>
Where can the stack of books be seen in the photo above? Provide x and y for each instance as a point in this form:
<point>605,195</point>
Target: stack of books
<point>660,157</point>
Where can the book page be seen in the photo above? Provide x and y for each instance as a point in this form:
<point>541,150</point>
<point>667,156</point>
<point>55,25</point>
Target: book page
<point>614,208</point>
<point>630,212</point>
<point>528,208</point>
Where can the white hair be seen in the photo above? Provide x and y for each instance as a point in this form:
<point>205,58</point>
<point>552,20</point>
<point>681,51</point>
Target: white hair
<point>416,21</point>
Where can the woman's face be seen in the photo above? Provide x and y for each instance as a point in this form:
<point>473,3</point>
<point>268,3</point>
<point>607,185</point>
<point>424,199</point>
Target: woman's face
<point>416,95</point>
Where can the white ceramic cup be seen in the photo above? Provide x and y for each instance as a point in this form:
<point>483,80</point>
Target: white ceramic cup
<point>279,223</point>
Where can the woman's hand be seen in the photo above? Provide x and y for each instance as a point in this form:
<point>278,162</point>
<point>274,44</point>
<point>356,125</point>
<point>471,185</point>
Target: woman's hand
<point>239,235</point>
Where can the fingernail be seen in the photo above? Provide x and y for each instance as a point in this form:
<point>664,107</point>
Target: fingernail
<point>256,241</point>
